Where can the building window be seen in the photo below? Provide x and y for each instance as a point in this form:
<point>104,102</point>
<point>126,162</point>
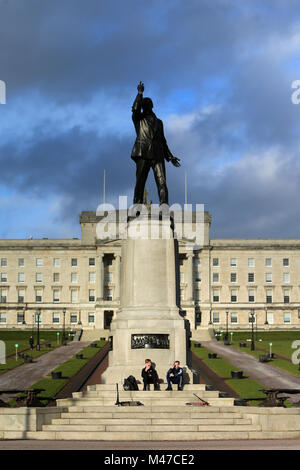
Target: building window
<point>38,295</point>
<point>73,318</point>
<point>233,295</point>
<point>74,295</point>
<point>2,317</point>
<point>233,318</point>
<point>268,262</point>
<point>216,317</point>
<point>21,295</point>
<point>21,277</point>
<point>55,318</point>
<point>197,276</point>
<point>215,261</point>
<point>56,262</point>
<point>91,295</point>
<point>109,277</point>
<point>92,278</point>
<point>233,277</point>
<point>269,296</point>
<point>286,278</point>
<point>181,294</point>
<point>286,318</point>
<point>197,262</point>
<point>91,317</point>
<point>180,261</point>
<point>20,317</point>
<point>3,262</point>
<point>21,262</point>
<point>3,293</point>
<point>268,277</point>
<point>39,277</point>
<point>286,296</point>
<point>251,295</point>
<point>91,261</point>
<point>38,318</point>
<point>55,277</point>
<point>56,295</point>
<point>39,262</point>
<point>3,277</point>
<point>286,262</point>
<point>250,277</point>
<point>233,261</point>
<point>74,277</point>
<point>74,262</point>
<point>109,294</point>
<point>215,277</point>
<point>251,262</point>
<point>197,295</point>
<point>216,295</point>
<point>181,277</point>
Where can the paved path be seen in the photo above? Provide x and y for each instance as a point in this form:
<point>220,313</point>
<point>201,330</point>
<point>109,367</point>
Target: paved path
<point>269,376</point>
<point>110,447</point>
<point>24,376</point>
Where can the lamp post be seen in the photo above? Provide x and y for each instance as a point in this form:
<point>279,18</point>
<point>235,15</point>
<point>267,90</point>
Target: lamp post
<point>266,319</point>
<point>38,346</point>
<point>252,336</point>
<point>210,319</point>
<point>63,340</point>
<point>226,337</point>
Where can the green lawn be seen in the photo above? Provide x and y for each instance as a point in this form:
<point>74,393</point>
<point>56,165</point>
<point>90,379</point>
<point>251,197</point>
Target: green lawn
<point>246,388</point>
<point>281,344</point>
<point>12,337</point>
<point>68,369</point>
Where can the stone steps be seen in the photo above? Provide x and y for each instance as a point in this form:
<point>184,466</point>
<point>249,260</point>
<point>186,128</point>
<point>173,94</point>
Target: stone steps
<point>112,387</point>
<point>87,402</point>
<point>150,421</point>
<point>132,428</point>
<point>140,395</point>
<point>150,435</point>
<point>146,416</point>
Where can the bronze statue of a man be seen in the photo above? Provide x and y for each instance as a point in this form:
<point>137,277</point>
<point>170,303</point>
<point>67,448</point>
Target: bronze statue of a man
<point>150,148</point>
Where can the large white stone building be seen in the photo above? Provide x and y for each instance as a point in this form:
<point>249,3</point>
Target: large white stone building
<point>76,282</point>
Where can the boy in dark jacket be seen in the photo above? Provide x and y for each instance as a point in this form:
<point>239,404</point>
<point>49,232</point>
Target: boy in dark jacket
<point>150,376</point>
<point>174,375</point>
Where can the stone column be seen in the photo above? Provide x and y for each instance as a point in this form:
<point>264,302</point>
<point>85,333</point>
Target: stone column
<point>190,277</point>
<point>118,277</point>
<point>101,277</point>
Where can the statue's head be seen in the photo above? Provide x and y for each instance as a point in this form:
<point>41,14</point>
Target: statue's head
<point>147,104</point>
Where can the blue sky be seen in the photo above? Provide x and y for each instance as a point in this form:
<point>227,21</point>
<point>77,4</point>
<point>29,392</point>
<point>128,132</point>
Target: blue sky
<point>219,73</point>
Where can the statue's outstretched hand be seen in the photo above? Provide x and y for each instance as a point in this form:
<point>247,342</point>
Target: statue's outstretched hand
<point>140,87</point>
<point>175,161</point>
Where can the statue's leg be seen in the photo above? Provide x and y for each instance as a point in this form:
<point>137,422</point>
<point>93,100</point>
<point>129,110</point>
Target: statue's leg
<point>161,182</point>
<point>142,170</point>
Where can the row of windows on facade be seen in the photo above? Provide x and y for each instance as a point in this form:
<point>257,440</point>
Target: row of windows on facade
<point>56,318</point>
<point>251,277</point>
<point>234,297</point>
<point>234,318</point>
<point>286,279</point>
<point>56,293</point>
<point>234,262</point>
<point>56,262</point>
<point>92,262</point>
<point>56,277</point>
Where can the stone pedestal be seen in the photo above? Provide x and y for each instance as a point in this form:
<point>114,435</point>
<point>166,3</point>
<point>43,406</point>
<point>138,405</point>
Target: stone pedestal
<point>148,324</point>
